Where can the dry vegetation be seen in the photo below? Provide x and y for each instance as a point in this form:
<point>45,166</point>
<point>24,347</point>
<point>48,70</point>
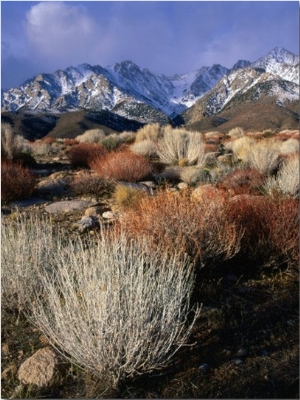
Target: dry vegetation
<point>121,303</point>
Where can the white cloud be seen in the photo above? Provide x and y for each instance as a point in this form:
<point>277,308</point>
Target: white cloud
<point>58,29</point>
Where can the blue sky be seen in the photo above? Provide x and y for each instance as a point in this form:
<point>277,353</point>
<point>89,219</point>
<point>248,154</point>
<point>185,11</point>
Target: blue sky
<point>167,37</point>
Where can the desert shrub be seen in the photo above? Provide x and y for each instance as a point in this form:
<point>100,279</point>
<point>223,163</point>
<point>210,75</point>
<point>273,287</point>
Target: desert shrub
<point>146,148</point>
<point>49,140</point>
<point>181,223</point>
<point>263,155</point>
<point>91,136</point>
<point>111,142</point>
<point>127,197</point>
<point>286,181</point>
<point>241,147</point>
<point>201,175</point>
<point>271,230</point>
<point>289,146</point>
<point>17,182</point>
<point>12,144</point>
<point>91,184</point>
<point>242,181</point>
<point>127,137</point>
<point>122,166</point>
<point>40,148</point>
<point>26,244</point>
<point>181,147</point>
<point>70,142</point>
<point>236,132</point>
<point>149,132</point>
<point>81,155</point>
<point>114,308</point>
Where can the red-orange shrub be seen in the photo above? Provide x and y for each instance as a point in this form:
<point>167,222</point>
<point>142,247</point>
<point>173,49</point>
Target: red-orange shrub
<point>181,224</point>
<point>17,182</point>
<point>81,155</point>
<point>271,229</point>
<point>243,181</point>
<point>70,142</point>
<point>49,140</point>
<point>122,166</point>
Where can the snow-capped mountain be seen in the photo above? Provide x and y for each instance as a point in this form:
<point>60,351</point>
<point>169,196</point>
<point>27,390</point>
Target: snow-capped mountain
<point>134,93</point>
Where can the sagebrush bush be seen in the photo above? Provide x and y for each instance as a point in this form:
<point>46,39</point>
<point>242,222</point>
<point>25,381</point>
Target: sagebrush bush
<point>236,132</point>
<point>12,144</point>
<point>183,224</point>
<point>146,148</point>
<point>122,166</point>
<point>271,230</point>
<point>289,146</point>
<point>286,181</point>
<point>263,155</point>
<point>240,147</point>
<point>81,155</point>
<point>91,136</point>
<point>149,132</point>
<point>17,182</point>
<point>27,245</point>
<point>113,307</point>
<point>181,147</point>
<point>40,147</point>
<point>91,184</point>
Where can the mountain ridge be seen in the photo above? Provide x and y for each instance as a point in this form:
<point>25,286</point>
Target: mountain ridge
<point>137,94</point>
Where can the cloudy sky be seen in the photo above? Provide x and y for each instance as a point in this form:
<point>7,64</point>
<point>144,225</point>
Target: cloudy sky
<point>167,37</point>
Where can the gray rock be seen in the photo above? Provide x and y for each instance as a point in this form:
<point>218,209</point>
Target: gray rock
<point>86,223</point>
<point>109,215</point>
<point>203,368</point>
<point>242,352</point>
<point>66,206</point>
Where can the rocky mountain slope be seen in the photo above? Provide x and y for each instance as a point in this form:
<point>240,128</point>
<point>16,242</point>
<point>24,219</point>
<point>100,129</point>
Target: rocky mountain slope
<point>127,91</point>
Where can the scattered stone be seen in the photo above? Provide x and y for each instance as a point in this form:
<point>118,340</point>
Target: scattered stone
<point>93,211</point>
<point>66,206</point>
<point>86,223</point>
<point>40,368</point>
<point>8,372</point>
<point>149,184</point>
<point>182,185</point>
<point>203,368</point>
<point>237,361</point>
<point>54,185</point>
<point>109,215</point>
<point>5,349</point>
<point>242,352</point>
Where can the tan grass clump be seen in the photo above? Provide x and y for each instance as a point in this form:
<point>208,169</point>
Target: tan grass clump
<point>91,136</point>
<point>181,147</point>
<point>149,132</point>
<point>12,145</point>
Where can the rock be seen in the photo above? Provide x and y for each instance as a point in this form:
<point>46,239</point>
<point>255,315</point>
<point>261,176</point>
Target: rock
<point>182,185</point>
<point>40,369</point>
<point>203,368</point>
<point>66,206</point>
<point>242,352</point>
<point>93,211</point>
<point>86,223</point>
<point>54,185</point>
<point>149,184</point>
<point>109,215</point>
<point>237,361</point>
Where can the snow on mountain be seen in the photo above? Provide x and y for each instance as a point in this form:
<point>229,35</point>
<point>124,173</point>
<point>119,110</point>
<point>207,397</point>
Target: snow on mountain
<point>138,94</point>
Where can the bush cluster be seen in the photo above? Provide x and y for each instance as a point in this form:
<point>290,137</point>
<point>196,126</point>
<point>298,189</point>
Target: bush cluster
<point>17,182</point>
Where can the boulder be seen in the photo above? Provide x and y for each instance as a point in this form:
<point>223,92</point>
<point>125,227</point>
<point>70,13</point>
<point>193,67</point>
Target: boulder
<point>66,206</point>
<point>40,369</point>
